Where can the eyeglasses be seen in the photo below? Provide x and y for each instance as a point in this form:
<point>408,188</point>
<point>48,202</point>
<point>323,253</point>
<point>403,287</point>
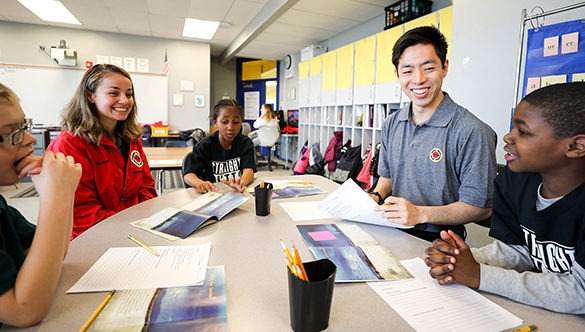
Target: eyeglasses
<point>17,137</point>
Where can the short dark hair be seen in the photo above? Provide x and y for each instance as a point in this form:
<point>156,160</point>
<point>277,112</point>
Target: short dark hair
<point>427,35</point>
<point>226,103</point>
<point>562,106</point>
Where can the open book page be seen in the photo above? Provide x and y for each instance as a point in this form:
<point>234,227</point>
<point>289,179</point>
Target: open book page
<point>136,268</point>
<point>302,211</point>
<point>292,188</point>
<point>201,201</point>
<point>350,202</point>
<point>366,262</point>
<point>174,223</point>
<point>473,311</point>
<point>193,308</point>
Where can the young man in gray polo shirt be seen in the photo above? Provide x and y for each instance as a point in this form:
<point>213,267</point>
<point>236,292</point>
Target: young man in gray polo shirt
<point>437,161</point>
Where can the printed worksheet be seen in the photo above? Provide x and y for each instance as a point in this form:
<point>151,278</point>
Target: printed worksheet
<point>422,302</point>
<point>302,211</point>
<point>137,268</point>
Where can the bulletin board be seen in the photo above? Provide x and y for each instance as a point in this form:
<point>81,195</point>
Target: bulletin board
<point>554,54</point>
<point>45,90</point>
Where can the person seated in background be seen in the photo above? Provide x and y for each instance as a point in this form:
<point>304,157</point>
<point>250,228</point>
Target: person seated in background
<point>101,132</point>
<point>266,119</point>
<point>31,257</point>
<point>437,161</point>
<point>225,156</point>
<point>538,220</point>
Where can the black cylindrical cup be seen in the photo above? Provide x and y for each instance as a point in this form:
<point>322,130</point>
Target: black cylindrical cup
<point>263,198</point>
<point>310,301</point>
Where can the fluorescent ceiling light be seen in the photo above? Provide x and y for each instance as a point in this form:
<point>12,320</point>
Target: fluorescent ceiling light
<point>50,10</point>
<point>199,29</point>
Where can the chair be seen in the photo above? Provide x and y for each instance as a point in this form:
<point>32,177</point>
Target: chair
<point>175,144</point>
<point>246,128</point>
<point>185,158</point>
<point>268,136</point>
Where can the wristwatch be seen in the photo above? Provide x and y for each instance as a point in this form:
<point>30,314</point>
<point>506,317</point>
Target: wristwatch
<point>380,199</point>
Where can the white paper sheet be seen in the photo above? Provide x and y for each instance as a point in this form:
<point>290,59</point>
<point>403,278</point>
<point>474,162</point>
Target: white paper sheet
<point>350,202</point>
<point>428,306</point>
<point>301,211</point>
<point>137,268</point>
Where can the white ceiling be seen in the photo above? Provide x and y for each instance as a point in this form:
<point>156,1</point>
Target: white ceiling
<point>261,29</point>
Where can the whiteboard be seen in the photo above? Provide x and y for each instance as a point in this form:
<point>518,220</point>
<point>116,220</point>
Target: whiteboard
<point>44,91</point>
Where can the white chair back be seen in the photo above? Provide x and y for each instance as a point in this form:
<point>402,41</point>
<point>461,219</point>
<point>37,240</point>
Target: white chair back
<point>268,135</point>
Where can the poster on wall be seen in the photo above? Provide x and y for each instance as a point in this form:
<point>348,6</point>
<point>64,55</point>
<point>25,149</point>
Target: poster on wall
<point>251,104</point>
<point>554,54</point>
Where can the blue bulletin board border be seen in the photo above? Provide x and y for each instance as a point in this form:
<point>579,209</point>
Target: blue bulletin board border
<point>537,65</point>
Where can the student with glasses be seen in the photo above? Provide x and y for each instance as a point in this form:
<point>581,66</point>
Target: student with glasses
<point>31,257</point>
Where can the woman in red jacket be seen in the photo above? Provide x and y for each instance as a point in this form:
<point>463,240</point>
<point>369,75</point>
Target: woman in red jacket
<point>101,132</point>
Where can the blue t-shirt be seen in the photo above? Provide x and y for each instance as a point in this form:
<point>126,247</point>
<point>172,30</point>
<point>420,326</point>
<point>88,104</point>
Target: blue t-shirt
<point>16,235</point>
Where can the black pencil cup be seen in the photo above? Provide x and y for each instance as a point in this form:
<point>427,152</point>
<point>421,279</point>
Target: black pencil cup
<point>263,198</point>
<point>310,301</point>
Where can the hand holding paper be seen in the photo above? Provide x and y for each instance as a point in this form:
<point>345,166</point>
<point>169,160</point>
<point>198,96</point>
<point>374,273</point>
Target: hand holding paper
<point>350,202</point>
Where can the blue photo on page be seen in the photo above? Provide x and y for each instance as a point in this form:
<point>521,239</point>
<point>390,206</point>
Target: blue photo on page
<point>195,308</point>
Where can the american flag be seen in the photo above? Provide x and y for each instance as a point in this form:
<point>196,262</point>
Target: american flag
<point>166,64</point>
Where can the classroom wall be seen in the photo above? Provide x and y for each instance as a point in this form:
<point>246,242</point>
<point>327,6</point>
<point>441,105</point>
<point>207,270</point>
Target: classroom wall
<point>486,42</point>
<point>223,80</point>
<point>19,43</point>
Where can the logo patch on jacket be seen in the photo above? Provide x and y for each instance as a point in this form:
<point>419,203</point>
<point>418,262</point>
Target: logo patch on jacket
<point>436,155</point>
<point>136,159</point>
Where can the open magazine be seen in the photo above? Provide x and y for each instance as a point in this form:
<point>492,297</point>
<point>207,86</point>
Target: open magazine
<point>192,308</point>
<point>174,223</point>
<point>292,188</point>
<point>357,255</point>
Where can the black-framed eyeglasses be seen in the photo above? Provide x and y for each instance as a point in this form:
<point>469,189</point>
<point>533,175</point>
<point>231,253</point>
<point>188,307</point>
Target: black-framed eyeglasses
<point>17,137</point>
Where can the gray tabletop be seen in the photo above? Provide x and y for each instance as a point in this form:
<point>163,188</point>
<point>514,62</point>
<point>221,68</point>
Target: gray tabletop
<point>257,291</point>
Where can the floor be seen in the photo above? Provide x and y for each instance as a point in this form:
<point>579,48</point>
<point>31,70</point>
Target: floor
<point>28,206</point>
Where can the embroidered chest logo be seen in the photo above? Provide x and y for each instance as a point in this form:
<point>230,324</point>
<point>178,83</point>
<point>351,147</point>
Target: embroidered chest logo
<point>136,159</point>
<point>436,155</point>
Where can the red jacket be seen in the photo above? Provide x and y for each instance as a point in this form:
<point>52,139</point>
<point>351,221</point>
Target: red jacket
<point>105,188</point>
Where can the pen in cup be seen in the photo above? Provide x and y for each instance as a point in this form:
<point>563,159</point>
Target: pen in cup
<point>143,245</point>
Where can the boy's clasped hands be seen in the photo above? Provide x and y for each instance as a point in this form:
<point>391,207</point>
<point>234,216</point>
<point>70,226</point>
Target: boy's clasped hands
<point>450,260</point>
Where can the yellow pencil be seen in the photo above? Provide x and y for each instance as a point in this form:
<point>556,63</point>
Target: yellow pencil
<point>300,263</point>
<point>97,311</point>
<point>287,253</point>
<point>143,245</point>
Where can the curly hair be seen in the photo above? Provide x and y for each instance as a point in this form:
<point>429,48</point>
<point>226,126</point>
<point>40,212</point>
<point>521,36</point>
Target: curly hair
<point>562,106</point>
<point>80,117</point>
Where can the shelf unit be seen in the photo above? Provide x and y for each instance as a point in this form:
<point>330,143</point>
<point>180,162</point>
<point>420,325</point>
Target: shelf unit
<point>354,88</point>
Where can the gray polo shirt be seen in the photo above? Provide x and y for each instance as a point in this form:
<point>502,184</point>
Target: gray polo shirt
<point>449,158</point>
